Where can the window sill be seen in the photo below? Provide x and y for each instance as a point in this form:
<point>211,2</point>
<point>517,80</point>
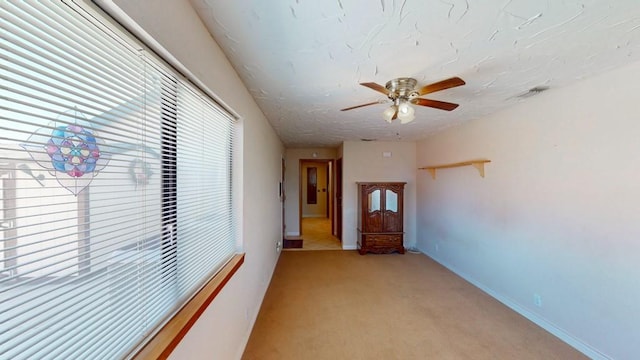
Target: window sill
<point>163,343</point>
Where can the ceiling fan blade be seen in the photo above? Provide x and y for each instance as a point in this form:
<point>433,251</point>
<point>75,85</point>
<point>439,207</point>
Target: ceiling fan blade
<point>359,106</point>
<point>442,105</point>
<point>441,85</point>
<point>376,87</point>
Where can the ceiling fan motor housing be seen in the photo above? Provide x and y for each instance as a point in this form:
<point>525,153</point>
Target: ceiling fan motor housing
<point>402,88</point>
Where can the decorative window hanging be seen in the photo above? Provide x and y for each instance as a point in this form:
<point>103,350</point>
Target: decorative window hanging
<point>70,150</point>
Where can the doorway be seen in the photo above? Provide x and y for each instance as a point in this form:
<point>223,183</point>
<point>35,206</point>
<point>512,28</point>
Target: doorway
<point>317,205</point>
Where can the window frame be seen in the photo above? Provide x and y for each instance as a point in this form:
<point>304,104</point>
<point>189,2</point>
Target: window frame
<point>170,334</point>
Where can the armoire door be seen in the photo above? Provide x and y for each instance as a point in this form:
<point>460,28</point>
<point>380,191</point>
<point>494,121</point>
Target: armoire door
<point>373,217</point>
<point>392,209</point>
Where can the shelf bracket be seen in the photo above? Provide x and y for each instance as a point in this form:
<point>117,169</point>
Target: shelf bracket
<point>478,164</point>
<point>480,167</point>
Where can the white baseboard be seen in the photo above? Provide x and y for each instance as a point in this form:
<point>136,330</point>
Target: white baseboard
<point>537,319</point>
<point>293,233</point>
<point>349,247</point>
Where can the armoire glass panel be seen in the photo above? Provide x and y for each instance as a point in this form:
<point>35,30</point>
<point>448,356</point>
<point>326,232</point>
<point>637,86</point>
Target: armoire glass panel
<point>391,200</point>
<point>374,201</point>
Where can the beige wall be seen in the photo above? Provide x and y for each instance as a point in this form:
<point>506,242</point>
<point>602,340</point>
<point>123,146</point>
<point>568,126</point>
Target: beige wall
<point>365,161</point>
<point>557,215</point>
<point>292,183</point>
<point>224,328</point>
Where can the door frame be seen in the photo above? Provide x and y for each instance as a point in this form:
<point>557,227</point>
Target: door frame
<point>338,197</point>
<point>330,193</point>
<point>283,197</point>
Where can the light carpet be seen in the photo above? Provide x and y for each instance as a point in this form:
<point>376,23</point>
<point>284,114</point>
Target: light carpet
<point>342,305</point>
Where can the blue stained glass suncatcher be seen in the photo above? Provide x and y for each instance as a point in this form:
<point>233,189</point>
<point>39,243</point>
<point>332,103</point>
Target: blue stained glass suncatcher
<point>69,151</point>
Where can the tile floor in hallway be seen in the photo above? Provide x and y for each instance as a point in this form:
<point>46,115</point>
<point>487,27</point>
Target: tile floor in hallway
<point>316,235</point>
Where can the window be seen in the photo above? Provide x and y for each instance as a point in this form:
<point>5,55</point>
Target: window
<point>115,186</point>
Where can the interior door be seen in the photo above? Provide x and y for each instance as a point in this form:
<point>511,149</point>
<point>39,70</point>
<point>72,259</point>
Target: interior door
<point>282,198</point>
<point>339,199</point>
<point>312,185</point>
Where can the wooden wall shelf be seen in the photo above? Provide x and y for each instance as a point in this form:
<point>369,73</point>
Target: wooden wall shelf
<point>478,164</point>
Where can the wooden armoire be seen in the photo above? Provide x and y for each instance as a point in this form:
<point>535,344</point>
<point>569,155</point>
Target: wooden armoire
<point>380,210</point>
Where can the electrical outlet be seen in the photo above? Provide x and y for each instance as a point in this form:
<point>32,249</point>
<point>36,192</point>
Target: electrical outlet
<point>537,300</point>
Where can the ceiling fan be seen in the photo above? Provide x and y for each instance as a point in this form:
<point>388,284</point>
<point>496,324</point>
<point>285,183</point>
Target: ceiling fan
<point>402,92</point>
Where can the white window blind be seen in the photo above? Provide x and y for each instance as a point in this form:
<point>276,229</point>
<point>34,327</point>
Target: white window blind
<point>115,186</point>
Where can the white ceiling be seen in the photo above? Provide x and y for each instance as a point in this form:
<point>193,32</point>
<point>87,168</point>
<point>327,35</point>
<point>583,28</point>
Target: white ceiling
<point>303,60</point>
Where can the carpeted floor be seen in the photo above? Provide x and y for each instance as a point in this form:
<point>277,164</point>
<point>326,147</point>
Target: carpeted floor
<point>341,305</point>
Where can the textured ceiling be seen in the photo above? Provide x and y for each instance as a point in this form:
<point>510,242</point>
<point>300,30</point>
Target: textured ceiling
<point>303,61</point>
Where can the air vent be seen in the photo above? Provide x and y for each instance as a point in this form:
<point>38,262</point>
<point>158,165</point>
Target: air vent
<point>533,91</point>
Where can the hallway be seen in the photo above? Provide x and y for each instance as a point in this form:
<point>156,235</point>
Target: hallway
<point>316,235</point>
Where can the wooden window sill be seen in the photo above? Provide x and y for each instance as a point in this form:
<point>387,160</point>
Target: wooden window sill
<point>163,343</point>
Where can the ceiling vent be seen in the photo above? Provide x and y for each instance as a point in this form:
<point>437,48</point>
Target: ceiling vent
<point>533,91</point>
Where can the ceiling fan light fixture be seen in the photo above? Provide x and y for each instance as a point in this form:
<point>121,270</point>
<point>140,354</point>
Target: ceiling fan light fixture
<point>406,119</point>
<point>405,109</point>
<point>389,113</point>
<point>406,113</point>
